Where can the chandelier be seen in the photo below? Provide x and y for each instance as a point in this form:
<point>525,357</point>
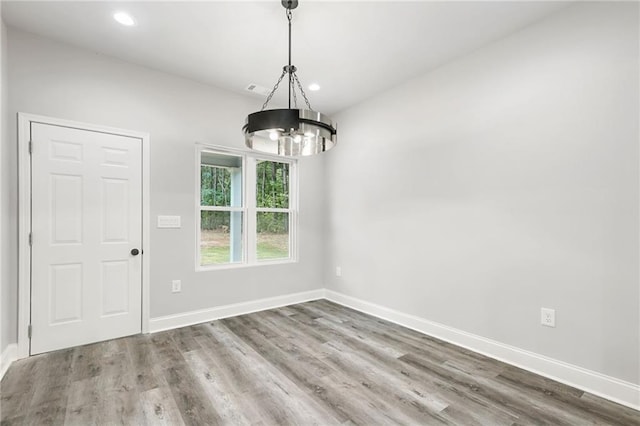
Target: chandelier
<point>289,132</point>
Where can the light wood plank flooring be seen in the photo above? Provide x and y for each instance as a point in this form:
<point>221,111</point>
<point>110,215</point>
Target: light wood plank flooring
<point>312,363</point>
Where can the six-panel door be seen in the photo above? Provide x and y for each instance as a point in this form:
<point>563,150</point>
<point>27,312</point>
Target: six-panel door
<point>86,218</point>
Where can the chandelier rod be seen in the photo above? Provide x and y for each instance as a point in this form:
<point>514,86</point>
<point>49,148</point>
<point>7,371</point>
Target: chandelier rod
<point>289,68</point>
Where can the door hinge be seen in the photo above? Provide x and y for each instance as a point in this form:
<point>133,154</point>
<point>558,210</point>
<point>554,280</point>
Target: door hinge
<point>29,331</point>
<point>30,239</point>
<point>30,147</point>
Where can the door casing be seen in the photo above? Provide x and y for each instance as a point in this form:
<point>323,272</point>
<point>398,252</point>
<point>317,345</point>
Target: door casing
<point>24,217</point>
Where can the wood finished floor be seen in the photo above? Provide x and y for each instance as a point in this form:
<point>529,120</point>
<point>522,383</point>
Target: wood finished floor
<point>312,363</point>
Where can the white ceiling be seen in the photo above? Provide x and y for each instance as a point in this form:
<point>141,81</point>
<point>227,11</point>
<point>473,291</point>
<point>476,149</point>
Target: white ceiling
<point>352,49</point>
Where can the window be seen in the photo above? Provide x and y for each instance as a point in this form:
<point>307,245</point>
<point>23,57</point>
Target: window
<point>272,210</point>
<point>247,209</point>
<point>221,209</point>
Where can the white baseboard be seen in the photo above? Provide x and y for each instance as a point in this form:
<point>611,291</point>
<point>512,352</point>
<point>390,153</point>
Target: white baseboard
<point>195,317</point>
<point>9,355</point>
<point>616,390</point>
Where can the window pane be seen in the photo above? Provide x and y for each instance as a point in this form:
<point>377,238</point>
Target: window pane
<point>220,237</point>
<point>273,235</point>
<point>220,180</point>
<point>272,184</point>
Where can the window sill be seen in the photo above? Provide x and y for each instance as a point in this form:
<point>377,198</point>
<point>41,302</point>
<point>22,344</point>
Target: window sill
<point>244,265</point>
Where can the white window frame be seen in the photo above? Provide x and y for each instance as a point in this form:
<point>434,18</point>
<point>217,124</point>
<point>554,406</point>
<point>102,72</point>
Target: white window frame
<point>249,209</point>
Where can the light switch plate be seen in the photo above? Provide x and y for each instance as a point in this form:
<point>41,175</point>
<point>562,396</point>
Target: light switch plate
<point>168,221</point>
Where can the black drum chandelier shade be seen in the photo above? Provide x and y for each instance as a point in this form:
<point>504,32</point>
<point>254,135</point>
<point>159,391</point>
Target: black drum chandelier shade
<point>289,132</point>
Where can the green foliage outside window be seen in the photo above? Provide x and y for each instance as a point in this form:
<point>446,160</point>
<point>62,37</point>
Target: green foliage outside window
<point>215,186</point>
<point>215,190</point>
<point>272,191</point>
<point>272,184</point>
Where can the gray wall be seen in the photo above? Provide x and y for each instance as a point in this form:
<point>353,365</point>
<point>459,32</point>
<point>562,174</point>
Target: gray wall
<point>58,80</point>
<point>501,183</point>
<point>8,236</point>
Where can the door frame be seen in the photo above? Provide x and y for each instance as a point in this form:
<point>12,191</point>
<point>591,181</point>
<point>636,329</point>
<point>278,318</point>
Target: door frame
<point>24,217</point>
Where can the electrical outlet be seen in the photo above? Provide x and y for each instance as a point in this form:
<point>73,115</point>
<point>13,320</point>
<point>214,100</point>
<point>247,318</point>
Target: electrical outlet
<point>548,317</point>
<point>338,271</point>
<point>176,286</point>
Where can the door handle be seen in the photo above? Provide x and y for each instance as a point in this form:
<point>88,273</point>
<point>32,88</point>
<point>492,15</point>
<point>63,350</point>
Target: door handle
<point>135,251</point>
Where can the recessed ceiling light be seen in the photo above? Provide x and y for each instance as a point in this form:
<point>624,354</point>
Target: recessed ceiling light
<point>124,18</point>
<point>314,87</point>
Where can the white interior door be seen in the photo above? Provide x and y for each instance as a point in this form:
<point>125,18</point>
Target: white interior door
<point>86,218</point>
